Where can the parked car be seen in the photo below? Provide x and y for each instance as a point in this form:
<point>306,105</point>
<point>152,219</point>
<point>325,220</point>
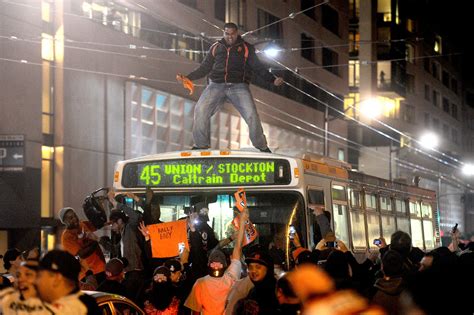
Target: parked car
<point>113,304</point>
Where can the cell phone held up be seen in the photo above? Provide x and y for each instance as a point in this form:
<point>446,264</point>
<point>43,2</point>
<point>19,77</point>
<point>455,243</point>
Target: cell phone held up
<point>291,232</point>
<point>377,242</point>
<point>455,228</point>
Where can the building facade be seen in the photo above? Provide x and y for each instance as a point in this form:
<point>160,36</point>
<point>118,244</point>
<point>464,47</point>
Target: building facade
<point>88,83</point>
<point>413,72</point>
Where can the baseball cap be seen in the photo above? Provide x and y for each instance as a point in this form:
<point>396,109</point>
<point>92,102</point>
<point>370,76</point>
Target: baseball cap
<point>260,257</point>
<point>61,262</point>
<point>63,212</point>
<point>114,267</point>
<point>115,215</point>
<point>173,265</point>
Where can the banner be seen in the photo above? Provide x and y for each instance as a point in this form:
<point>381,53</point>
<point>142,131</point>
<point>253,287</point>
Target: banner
<point>167,237</point>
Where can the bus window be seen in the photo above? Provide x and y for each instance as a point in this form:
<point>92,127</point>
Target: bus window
<point>429,234</point>
<point>403,224</point>
<point>426,210</point>
<point>373,226</point>
<point>338,192</point>
<point>388,226</point>
<point>316,197</point>
<point>358,229</point>
<point>400,206</point>
<point>354,197</point>
<point>370,201</point>
<point>340,222</point>
<point>385,203</point>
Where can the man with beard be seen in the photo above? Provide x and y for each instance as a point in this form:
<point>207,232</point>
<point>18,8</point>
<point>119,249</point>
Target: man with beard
<point>80,241</point>
<point>230,64</point>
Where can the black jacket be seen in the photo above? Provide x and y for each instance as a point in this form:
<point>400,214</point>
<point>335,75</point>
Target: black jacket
<point>228,64</point>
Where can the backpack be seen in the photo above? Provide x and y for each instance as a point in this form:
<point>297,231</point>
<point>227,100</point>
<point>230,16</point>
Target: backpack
<point>94,210</point>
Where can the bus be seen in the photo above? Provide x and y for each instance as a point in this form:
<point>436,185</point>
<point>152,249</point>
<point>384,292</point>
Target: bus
<point>279,188</point>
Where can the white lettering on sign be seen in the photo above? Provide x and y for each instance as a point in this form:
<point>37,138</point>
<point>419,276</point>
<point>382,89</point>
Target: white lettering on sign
<point>3,153</point>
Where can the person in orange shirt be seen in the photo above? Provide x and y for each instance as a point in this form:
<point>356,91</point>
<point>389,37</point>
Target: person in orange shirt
<point>80,241</point>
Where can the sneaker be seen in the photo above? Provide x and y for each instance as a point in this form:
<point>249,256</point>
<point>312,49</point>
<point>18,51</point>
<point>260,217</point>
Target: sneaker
<point>267,150</point>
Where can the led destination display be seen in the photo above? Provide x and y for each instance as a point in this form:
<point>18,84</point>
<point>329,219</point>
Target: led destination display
<point>207,172</point>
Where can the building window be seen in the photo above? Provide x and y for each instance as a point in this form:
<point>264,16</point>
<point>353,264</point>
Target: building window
<point>454,111</point>
<point>189,3</point>
<point>409,113</point>
<point>454,85</point>
<point>384,70</point>
<point>219,9</point>
<point>410,53</point>
<point>411,25</point>
<point>427,92</point>
<point>353,9</point>
<point>47,154</point>
<point>330,61</point>
<point>446,131</point>
<point>446,105</point>
<point>307,47</point>
<point>438,45</point>
<point>410,83</point>
<point>427,120</point>
<point>435,70</point>
<point>341,155</point>
<point>435,123</point>
<point>330,19</point>
<point>274,31</point>
<point>354,43</point>
<point>384,7</point>
<point>454,136</point>
<point>445,78</point>
<point>427,65</point>
<point>306,4</point>
<point>354,73</point>
<point>230,11</point>
<point>435,98</point>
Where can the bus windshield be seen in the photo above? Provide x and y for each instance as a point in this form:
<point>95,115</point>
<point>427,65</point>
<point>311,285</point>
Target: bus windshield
<point>270,212</point>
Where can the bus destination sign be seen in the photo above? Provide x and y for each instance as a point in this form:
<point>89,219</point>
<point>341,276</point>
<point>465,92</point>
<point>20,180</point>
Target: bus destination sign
<point>203,172</point>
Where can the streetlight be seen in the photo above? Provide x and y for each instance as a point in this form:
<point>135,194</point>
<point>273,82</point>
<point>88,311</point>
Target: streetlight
<point>468,169</point>
<point>429,141</point>
<point>271,51</point>
<point>370,108</point>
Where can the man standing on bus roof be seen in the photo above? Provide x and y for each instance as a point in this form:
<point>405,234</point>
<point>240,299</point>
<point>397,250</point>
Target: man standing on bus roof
<point>230,64</point>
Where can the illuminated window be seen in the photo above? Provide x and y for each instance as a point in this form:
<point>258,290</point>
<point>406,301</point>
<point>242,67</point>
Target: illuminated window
<point>354,73</point>
<point>384,8</point>
<point>47,181</point>
<point>354,42</point>
<point>437,47</point>
<point>46,11</point>
<point>410,25</point>
<point>46,99</point>
<point>47,47</point>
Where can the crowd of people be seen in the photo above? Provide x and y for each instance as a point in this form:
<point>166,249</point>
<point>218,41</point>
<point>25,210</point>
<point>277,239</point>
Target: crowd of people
<point>396,279</point>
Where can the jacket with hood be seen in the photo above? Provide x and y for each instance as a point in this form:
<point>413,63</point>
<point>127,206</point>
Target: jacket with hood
<point>231,64</point>
<point>388,293</point>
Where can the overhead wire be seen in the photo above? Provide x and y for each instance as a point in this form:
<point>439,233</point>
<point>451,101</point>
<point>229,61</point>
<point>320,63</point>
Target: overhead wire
<point>274,60</point>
